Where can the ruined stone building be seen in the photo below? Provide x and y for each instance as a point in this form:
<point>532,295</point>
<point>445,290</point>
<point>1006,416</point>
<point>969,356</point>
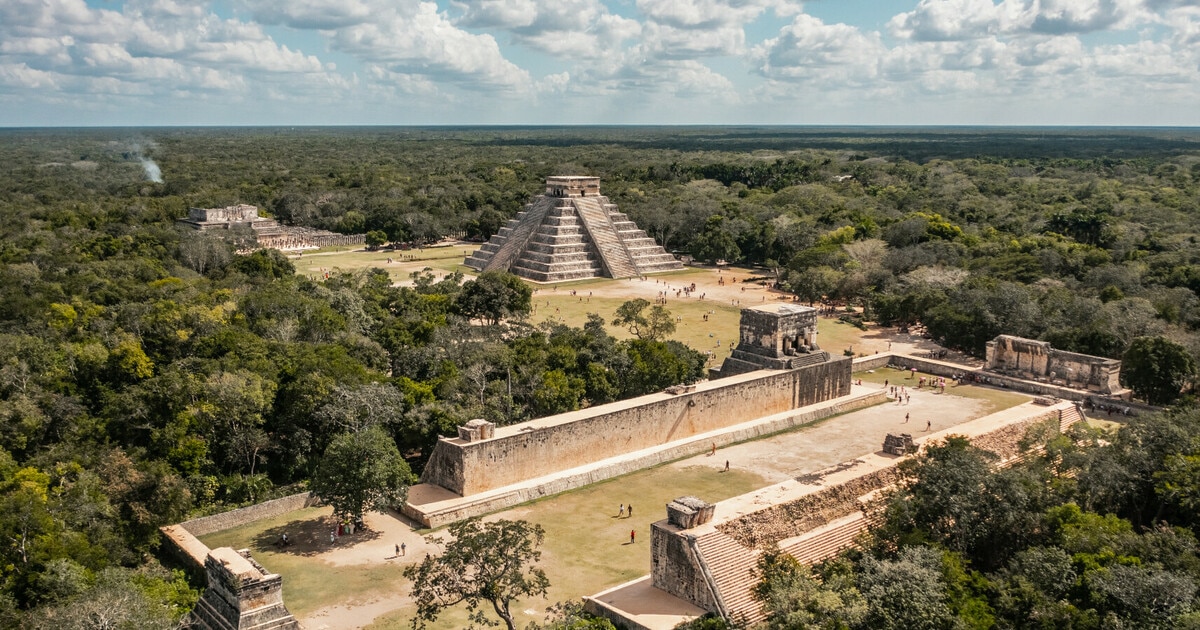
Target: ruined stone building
<point>267,233</point>
<point>240,594</point>
<point>572,232</point>
<point>1038,361</point>
<point>776,337</point>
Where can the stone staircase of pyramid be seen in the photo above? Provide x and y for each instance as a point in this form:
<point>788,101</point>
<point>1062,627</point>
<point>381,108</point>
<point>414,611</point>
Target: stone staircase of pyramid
<point>734,571</point>
<point>568,237</point>
<point>604,237</point>
<point>558,250</point>
<point>647,255</point>
<point>505,246</point>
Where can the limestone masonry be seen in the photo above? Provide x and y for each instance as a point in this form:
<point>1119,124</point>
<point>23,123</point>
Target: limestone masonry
<point>241,594</point>
<point>572,232</point>
<point>483,458</point>
<point>775,337</point>
<point>1036,360</point>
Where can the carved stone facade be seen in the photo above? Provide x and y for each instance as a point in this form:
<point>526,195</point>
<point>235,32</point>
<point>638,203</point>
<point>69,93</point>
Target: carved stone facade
<point>241,594</point>
<point>776,337</point>
<point>1038,361</point>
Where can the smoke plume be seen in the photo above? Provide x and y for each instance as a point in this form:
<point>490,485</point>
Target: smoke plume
<point>153,173</point>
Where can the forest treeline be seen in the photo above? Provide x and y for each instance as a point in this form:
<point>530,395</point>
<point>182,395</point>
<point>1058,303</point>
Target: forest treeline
<point>149,373</point>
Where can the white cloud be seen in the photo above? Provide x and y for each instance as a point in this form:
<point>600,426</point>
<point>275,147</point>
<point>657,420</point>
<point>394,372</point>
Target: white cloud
<point>709,14</point>
<point>426,43</point>
<point>810,50</point>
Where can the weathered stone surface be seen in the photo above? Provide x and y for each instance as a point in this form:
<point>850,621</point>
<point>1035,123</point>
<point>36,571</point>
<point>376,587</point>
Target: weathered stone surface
<point>1037,360</point>
<point>775,337</point>
<point>688,512</point>
<point>540,447</point>
<point>241,594</point>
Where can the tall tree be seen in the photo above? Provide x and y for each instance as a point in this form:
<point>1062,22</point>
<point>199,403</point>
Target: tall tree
<point>1156,369</point>
<point>494,296</point>
<point>361,471</point>
<point>490,563</point>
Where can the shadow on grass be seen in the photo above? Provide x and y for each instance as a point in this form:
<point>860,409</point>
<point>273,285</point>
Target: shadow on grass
<point>309,537</point>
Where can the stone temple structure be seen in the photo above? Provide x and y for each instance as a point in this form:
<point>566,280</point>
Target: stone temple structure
<point>775,337</point>
<point>266,232</point>
<point>240,594</point>
<point>1036,360</point>
<point>572,232</point>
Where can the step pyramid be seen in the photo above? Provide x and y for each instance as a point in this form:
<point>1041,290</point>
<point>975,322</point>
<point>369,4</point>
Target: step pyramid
<point>572,232</point>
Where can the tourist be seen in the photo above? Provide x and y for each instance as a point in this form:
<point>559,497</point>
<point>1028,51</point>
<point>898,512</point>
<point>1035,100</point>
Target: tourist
<point>632,535</point>
<point>629,510</point>
<point>726,465</point>
<point>928,424</point>
<point>905,418</point>
<point>714,444</point>
<point>397,551</point>
<point>621,511</point>
<point>404,549</point>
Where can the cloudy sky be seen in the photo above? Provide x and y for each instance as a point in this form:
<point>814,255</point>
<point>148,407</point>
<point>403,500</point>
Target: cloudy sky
<point>336,62</point>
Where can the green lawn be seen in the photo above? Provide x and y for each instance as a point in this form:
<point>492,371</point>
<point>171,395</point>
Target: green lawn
<point>586,548</point>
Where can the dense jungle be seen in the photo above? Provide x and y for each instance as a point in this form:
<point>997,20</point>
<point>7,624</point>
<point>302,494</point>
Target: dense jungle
<point>149,374</point>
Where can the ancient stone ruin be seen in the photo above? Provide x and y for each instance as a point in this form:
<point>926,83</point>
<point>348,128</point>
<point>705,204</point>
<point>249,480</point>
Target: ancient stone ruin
<point>1037,361</point>
<point>267,233</point>
<point>240,594</point>
<point>775,337</point>
<point>572,232</point>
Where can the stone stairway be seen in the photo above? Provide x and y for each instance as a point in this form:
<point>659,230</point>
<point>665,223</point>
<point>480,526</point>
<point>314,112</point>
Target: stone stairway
<point>605,238</point>
<point>734,570</point>
<point>1070,416</point>
<point>826,541</point>
<point>569,234</point>
<point>806,360</point>
<point>510,241</point>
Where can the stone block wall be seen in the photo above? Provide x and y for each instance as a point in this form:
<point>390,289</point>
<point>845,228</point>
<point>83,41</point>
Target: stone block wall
<point>674,568</point>
<point>1029,358</point>
<point>549,445</point>
<point>241,516</point>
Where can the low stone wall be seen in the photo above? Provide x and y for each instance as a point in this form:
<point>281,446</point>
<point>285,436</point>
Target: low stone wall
<point>241,516</point>
<point>541,447</point>
<point>492,502</point>
<point>982,377</point>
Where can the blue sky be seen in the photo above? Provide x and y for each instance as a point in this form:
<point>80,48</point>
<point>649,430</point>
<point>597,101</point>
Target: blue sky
<point>345,62</point>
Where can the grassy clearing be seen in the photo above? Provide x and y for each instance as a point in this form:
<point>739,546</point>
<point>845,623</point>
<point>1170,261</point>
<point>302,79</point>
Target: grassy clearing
<point>309,582</point>
<point>587,547</point>
<point>996,399</point>
<point>443,259</point>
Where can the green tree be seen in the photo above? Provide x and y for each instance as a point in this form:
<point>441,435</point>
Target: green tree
<point>1156,369</point>
<point>655,326</point>
<point>375,239</point>
<point>361,471</point>
<point>493,296</point>
<point>491,563</point>
<point>716,242</point>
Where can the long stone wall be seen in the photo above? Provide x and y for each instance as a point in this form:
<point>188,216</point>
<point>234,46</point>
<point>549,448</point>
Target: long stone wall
<point>540,447</point>
<point>519,494</point>
<point>241,516</point>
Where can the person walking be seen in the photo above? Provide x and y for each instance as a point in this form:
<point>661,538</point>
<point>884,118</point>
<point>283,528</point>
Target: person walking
<point>621,511</point>
<point>632,536</point>
<point>905,418</point>
<point>727,465</point>
<point>629,510</point>
<point>397,551</point>
<point>404,549</point>
<point>928,424</point>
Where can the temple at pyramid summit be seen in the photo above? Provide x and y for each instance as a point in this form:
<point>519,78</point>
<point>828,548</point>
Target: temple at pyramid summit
<point>572,232</point>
